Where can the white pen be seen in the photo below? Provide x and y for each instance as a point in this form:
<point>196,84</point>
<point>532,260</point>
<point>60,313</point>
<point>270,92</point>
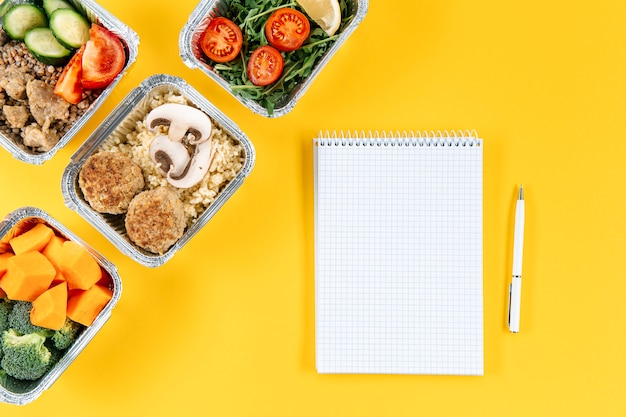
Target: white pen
<point>515,290</point>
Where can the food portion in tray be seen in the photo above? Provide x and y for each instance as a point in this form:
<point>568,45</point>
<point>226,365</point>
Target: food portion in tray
<point>161,171</point>
<point>54,64</point>
<point>51,290</point>
<point>265,49</point>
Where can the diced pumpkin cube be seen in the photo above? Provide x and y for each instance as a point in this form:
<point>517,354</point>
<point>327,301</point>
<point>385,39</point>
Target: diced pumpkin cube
<point>50,308</point>
<point>34,239</point>
<point>53,250</point>
<point>79,267</point>
<point>28,275</point>
<point>84,306</point>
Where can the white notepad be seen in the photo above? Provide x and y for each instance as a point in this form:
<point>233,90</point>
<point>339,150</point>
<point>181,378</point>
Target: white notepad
<point>398,253</point>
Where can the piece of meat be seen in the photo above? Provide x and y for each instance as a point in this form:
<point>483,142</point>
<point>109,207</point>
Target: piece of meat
<point>45,106</point>
<point>4,38</point>
<point>14,82</point>
<point>109,181</point>
<point>34,137</point>
<point>155,219</point>
<point>16,116</point>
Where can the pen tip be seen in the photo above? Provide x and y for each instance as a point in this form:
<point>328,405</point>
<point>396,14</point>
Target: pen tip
<point>521,193</point>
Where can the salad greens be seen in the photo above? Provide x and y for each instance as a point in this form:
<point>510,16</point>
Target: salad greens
<point>250,16</point>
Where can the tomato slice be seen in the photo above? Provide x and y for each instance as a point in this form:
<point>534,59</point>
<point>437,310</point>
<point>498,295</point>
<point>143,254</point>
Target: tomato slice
<point>104,58</point>
<point>222,40</point>
<point>265,65</point>
<point>287,29</point>
<point>69,86</point>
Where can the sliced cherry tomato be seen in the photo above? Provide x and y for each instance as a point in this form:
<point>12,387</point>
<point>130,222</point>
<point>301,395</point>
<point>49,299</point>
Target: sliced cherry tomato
<point>287,29</point>
<point>265,65</point>
<point>69,86</point>
<point>222,40</point>
<point>104,58</point>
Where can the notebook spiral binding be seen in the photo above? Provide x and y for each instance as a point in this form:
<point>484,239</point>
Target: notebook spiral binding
<point>399,138</point>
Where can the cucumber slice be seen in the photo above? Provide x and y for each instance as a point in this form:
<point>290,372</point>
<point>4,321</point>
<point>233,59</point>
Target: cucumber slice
<point>51,5</point>
<point>69,27</point>
<point>45,47</point>
<point>22,18</point>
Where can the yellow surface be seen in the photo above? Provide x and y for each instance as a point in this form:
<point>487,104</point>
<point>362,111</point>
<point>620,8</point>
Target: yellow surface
<point>226,328</point>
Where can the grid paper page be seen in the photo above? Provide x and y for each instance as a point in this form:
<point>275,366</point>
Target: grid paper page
<point>398,258</point>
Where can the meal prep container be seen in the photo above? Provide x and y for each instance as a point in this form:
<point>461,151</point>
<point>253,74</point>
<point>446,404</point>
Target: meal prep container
<point>24,392</point>
<point>122,121</point>
<point>193,57</point>
<point>95,14</point>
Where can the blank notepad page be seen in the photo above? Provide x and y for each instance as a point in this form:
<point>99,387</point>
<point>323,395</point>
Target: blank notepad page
<point>398,255</point>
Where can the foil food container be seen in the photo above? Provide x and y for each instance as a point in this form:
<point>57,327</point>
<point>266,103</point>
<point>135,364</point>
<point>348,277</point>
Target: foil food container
<point>121,122</point>
<point>23,392</point>
<point>192,55</point>
<point>95,14</point>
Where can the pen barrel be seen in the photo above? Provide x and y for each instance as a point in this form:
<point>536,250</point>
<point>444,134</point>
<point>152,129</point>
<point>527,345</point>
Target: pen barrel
<point>518,239</point>
<point>515,301</point>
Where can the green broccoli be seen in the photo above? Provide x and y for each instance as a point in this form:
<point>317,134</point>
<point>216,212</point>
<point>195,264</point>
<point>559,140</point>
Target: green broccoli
<point>25,357</point>
<point>19,319</point>
<point>66,335</point>
<point>55,354</point>
<point>5,310</point>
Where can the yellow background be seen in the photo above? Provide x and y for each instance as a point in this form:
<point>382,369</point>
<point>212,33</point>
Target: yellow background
<point>226,328</point>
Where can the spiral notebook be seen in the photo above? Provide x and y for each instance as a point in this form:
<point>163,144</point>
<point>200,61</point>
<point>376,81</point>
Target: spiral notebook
<point>398,253</point>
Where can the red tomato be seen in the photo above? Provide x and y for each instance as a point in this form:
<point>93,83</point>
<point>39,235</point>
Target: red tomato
<point>222,39</point>
<point>104,58</point>
<point>287,29</point>
<point>265,65</point>
<point>69,86</point>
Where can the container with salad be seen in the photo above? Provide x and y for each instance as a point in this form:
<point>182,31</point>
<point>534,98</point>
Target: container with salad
<point>53,73</point>
<point>266,53</point>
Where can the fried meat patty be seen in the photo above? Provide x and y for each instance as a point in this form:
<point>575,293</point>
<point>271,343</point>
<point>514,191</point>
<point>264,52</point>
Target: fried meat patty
<point>155,219</point>
<point>109,181</point>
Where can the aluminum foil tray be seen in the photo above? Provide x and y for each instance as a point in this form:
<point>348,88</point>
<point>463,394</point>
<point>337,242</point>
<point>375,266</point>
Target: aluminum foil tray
<point>95,14</point>
<point>193,57</point>
<point>23,392</point>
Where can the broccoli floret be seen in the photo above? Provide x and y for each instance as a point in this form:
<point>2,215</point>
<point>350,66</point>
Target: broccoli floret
<point>19,319</point>
<point>5,310</point>
<point>10,383</point>
<point>55,354</point>
<point>66,335</point>
<point>25,356</point>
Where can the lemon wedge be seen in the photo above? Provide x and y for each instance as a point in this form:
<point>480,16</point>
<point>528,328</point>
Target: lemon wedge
<point>325,13</point>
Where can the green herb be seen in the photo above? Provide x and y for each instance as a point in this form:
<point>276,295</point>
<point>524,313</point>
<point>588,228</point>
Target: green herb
<point>251,16</point>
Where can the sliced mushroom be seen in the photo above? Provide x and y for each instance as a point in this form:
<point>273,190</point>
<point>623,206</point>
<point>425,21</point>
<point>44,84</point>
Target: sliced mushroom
<point>171,158</point>
<point>182,120</point>
<point>197,169</point>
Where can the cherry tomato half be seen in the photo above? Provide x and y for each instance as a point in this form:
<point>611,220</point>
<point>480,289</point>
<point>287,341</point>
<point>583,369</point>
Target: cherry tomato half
<point>287,29</point>
<point>222,39</point>
<point>265,65</point>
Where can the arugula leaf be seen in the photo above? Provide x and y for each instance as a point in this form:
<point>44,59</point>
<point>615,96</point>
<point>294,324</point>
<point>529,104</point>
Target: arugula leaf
<point>251,16</point>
